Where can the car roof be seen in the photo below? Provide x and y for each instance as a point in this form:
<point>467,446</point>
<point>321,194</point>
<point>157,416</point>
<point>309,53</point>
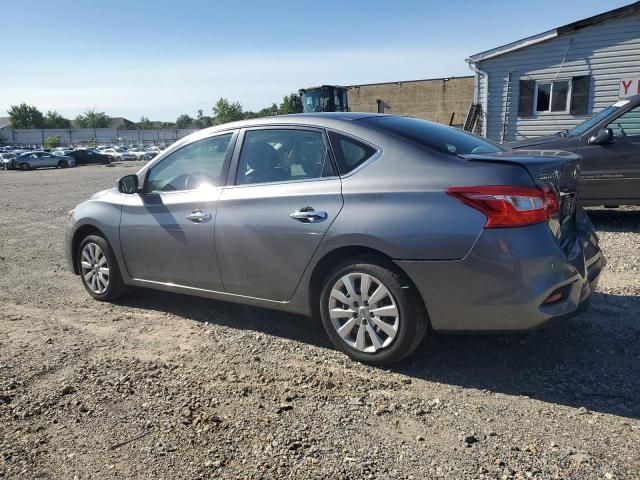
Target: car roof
<point>634,99</point>
<point>320,119</point>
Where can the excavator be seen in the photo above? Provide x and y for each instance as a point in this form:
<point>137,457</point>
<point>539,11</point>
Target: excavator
<point>325,98</point>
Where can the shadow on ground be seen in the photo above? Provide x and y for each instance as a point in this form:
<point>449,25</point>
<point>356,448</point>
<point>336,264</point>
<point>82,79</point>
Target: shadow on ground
<point>582,362</point>
<point>615,220</point>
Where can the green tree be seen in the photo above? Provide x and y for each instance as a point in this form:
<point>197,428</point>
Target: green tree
<point>25,116</point>
<point>202,120</point>
<point>93,119</point>
<point>291,103</point>
<point>54,120</point>
<point>52,142</point>
<point>145,123</point>
<point>184,121</point>
<point>225,111</point>
<point>269,111</point>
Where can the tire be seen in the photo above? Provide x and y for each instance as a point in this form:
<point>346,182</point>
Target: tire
<point>63,164</point>
<point>401,334</point>
<point>25,166</point>
<point>114,287</point>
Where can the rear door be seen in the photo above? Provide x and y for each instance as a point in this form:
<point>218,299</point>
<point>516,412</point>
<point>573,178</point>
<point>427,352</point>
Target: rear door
<point>167,231</point>
<point>612,171</point>
<point>49,160</point>
<point>282,196</point>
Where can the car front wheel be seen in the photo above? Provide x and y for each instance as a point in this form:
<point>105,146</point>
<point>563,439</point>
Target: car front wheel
<point>372,312</point>
<point>99,270</point>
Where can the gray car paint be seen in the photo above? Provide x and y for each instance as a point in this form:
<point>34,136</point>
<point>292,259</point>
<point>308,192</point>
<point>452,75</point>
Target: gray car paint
<point>395,204</point>
<point>610,172</point>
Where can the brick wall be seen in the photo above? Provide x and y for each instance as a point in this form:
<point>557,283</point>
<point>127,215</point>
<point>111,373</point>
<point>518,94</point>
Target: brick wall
<point>433,100</point>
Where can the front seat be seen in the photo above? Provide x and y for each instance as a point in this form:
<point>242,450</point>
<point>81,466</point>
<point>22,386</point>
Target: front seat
<point>263,164</point>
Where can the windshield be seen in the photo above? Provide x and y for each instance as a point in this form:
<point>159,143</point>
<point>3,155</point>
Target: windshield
<point>317,100</point>
<point>597,118</point>
<point>436,136</point>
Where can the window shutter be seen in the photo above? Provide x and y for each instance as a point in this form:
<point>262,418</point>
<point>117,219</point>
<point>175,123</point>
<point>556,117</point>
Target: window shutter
<point>525,98</point>
<point>579,95</point>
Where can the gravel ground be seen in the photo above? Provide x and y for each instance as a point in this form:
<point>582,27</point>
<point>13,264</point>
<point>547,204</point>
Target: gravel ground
<point>169,386</point>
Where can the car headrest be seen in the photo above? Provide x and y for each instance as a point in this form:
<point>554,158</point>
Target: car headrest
<point>261,155</point>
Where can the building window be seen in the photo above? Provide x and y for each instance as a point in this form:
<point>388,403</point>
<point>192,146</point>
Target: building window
<point>553,96</point>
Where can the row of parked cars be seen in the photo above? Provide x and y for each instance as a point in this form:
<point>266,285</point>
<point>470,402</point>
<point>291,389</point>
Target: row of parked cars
<point>22,159</point>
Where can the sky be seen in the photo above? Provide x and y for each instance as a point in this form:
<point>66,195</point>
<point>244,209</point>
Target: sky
<point>162,58</point>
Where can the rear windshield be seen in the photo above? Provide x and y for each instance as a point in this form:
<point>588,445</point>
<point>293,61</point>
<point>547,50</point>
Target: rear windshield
<point>434,135</point>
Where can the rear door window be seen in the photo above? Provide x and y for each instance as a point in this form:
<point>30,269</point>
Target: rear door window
<point>349,152</point>
<point>283,155</point>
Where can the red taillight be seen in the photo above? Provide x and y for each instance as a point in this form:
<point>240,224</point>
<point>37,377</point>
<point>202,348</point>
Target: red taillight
<point>508,206</point>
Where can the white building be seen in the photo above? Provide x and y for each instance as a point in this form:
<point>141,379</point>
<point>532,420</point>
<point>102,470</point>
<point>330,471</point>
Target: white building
<point>557,79</point>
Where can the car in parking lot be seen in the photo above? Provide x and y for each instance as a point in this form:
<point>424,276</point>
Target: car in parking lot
<point>6,160</point>
<point>155,148</point>
<point>39,159</point>
<point>609,143</point>
<point>143,153</point>
<point>381,225</point>
<point>85,156</point>
<point>119,154</point>
<point>62,152</point>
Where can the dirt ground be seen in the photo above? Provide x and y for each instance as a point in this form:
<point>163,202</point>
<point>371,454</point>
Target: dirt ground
<point>169,386</point>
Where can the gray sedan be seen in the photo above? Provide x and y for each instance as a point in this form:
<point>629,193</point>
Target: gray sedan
<point>384,226</point>
<point>33,160</point>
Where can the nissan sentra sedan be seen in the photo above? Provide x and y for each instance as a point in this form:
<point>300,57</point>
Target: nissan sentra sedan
<point>384,226</point>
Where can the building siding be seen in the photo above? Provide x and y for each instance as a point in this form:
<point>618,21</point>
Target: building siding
<point>606,52</point>
<point>434,99</point>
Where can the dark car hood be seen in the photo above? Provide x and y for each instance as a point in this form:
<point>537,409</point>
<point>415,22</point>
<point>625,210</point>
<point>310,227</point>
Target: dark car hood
<point>536,142</point>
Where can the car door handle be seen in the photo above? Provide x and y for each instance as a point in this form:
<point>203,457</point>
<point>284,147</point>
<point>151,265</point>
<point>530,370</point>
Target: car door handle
<point>308,215</point>
<point>198,216</point>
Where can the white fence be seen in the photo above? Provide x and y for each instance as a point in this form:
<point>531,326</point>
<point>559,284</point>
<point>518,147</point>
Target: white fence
<point>84,136</point>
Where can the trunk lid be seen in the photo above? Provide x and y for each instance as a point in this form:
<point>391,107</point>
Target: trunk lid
<point>559,170</point>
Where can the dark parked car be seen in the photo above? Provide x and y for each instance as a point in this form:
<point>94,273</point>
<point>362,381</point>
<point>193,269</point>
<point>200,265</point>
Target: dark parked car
<point>609,143</point>
<point>382,225</point>
<point>87,156</point>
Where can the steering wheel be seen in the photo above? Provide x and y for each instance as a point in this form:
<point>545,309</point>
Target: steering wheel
<point>196,179</point>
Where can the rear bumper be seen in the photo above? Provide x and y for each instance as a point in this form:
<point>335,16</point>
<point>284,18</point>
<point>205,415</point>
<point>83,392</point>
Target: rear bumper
<point>502,283</point>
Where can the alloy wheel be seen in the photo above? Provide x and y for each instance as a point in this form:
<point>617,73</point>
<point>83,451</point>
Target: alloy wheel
<point>95,268</point>
<point>363,312</point>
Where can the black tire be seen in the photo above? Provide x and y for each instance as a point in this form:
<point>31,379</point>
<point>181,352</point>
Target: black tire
<point>116,287</point>
<point>63,164</point>
<point>25,166</point>
<point>413,318</point>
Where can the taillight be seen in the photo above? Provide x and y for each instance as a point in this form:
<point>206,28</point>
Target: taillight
<point>509,206</point>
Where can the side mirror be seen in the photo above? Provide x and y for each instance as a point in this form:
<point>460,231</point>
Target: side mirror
<point>128,184</point>
<point>603,136</point>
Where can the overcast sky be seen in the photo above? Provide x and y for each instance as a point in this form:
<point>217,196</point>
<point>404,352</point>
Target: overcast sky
<point>163,58</point>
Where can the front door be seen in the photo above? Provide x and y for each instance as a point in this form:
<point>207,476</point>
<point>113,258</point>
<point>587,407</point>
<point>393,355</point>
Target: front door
<point>167,231</point>
<point>49,160</point>
<point>612,170</point>
<point>272,218</point>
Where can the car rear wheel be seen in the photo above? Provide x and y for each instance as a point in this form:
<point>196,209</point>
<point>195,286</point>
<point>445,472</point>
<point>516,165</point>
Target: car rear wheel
<point>25,166</point>
<point>63,164</point>
<point>99,269</point>
<point>372,312</point>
